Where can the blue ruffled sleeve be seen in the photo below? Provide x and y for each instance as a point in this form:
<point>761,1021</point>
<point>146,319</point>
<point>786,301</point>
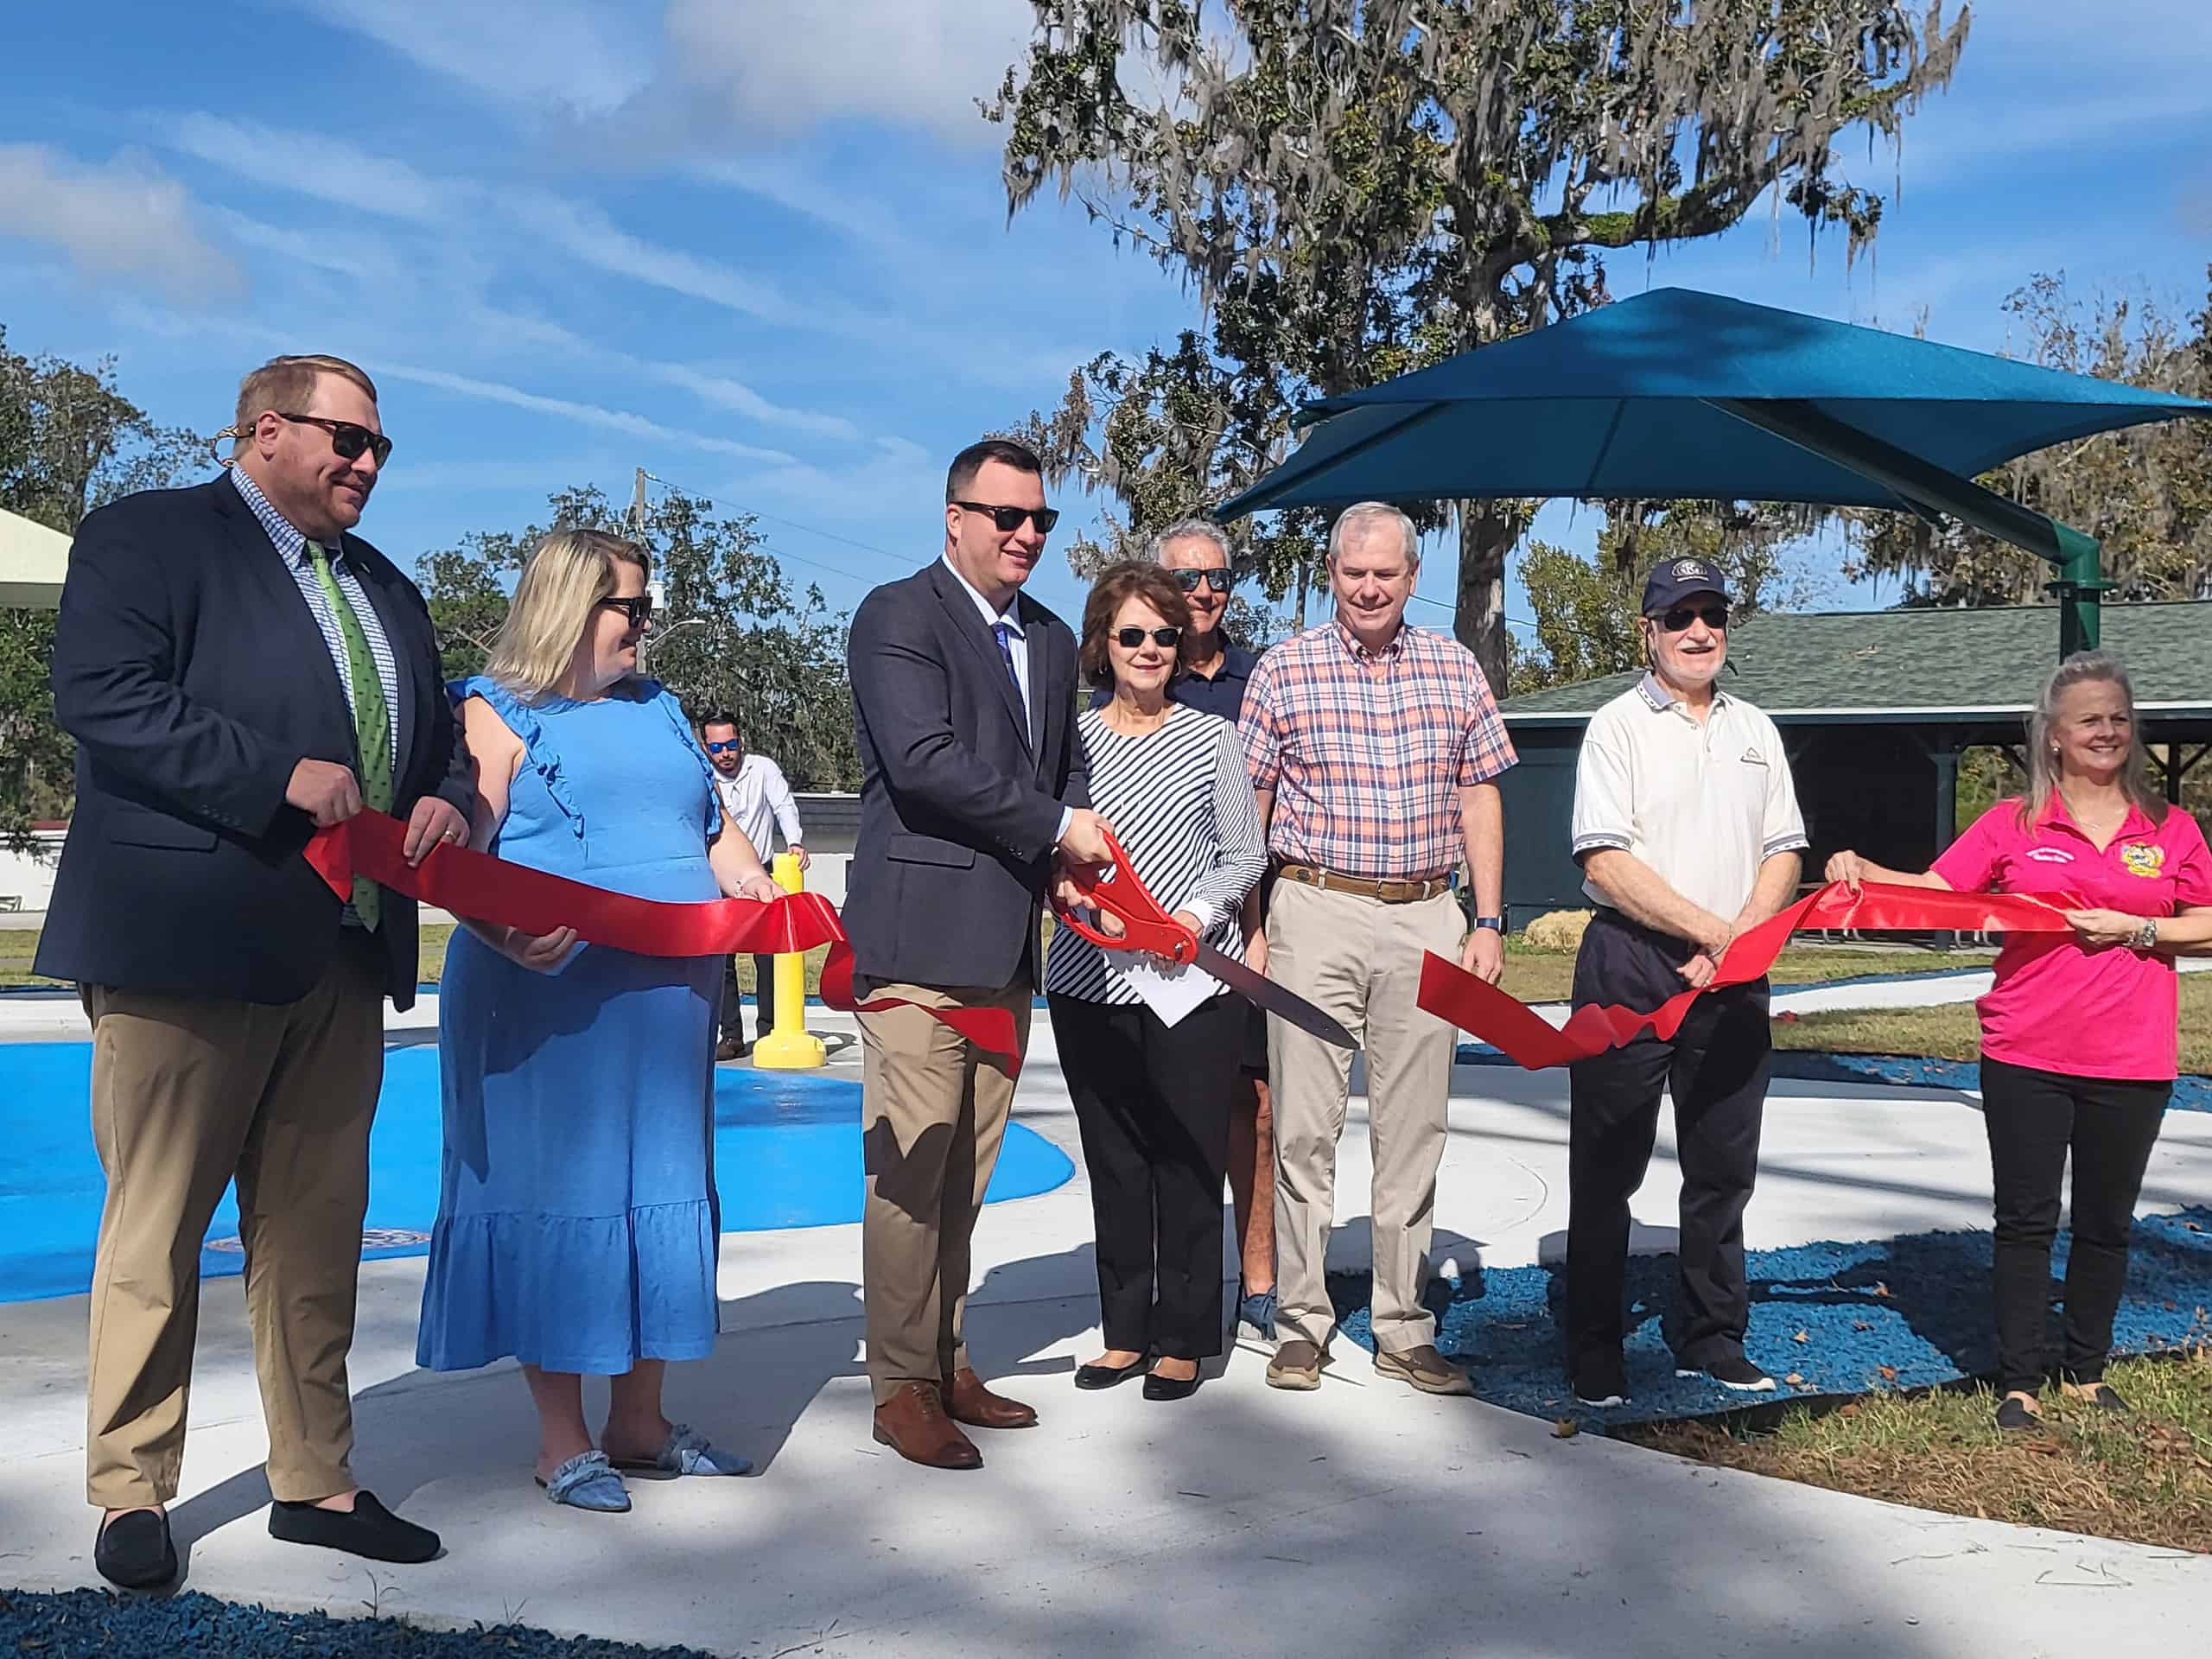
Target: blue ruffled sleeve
<point>522,720</point>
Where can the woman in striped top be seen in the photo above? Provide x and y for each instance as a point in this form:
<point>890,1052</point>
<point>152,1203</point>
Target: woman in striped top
<point>1152,1099</point>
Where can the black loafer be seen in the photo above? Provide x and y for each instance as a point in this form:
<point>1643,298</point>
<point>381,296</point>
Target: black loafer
<point>134,1551</point>
<point>368,1530</point>
<point>1157,1387</point>
<point>1090,1378</point>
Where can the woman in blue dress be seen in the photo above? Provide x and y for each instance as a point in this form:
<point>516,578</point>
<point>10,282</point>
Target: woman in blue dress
<point>577,1223</point>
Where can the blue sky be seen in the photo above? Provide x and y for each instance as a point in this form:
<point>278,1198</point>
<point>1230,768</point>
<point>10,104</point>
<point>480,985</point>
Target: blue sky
<point>759,247</point>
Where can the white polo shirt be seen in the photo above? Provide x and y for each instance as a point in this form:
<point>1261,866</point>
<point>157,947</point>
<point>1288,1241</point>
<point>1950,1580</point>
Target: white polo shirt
<point>1703,805</point>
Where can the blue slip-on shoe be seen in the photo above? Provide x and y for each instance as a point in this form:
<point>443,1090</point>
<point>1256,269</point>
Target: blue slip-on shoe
<point>587,1481</point>
<point>688,1452</point>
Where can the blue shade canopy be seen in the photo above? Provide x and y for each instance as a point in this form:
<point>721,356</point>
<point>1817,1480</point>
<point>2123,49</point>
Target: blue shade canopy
<point>1630,400</point>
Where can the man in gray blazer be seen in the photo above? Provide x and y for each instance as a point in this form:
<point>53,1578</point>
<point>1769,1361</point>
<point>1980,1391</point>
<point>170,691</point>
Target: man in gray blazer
<point>973,786</point>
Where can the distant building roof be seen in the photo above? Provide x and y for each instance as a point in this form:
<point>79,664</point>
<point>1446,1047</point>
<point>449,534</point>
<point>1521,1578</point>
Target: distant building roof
<point>1914,665</point>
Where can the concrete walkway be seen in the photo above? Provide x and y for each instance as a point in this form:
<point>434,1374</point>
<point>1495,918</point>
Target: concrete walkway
<point>1361,1519</point>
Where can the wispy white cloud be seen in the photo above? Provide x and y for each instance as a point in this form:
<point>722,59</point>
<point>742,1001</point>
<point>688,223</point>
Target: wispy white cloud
<point>127,219</point>
<point>326,169</point>
<point>736,395</point>
<point>595,415</point>
<point>775,69</point>
<point>548,54</point>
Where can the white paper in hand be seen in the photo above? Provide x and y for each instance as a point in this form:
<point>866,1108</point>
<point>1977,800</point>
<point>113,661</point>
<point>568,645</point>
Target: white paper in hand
<point>1170,992</point>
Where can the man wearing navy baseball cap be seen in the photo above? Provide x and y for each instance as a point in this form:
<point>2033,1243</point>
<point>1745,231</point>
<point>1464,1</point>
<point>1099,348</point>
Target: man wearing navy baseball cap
<point>1687,828</point>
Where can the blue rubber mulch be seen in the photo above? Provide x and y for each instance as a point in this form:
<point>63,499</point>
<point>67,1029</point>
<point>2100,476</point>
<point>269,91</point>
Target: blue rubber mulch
<point>787,1153</point>
<point>1891,1313</point>
<point>81,1624</point>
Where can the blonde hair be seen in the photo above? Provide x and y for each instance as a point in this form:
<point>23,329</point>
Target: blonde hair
<point>285,384</point>
<point>569,573</point>
<point>2084,667</point>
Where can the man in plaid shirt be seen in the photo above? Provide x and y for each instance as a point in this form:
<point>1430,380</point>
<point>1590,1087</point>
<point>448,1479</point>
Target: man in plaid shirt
<point>1374,748</point>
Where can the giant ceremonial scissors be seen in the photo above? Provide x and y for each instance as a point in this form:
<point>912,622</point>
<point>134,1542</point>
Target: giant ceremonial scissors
<point>1114,889</point>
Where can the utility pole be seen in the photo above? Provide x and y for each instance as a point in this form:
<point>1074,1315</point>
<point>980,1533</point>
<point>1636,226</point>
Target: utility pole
<point>638,508</point>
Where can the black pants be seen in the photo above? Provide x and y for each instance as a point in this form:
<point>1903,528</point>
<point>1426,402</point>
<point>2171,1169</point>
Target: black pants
<point>1716,1066</point>
<point>764,996</point>
<point>1152,1103</point>
<point>2034,1118</point>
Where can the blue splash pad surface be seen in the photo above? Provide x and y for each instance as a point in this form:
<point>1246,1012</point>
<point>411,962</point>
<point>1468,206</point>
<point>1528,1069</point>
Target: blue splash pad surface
<point>787,1153</point>
<point>1891,1313</point>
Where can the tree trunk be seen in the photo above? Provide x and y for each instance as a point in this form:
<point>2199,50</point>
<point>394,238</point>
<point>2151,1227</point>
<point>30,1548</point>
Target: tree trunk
<point>1488,531</point>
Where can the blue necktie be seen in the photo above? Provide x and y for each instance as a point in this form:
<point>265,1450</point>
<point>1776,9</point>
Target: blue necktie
<point>998,632</point>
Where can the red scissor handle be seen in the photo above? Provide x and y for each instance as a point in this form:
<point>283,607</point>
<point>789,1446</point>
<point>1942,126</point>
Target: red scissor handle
<point>1115,889</point>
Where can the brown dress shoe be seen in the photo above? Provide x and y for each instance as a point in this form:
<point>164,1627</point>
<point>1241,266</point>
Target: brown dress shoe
<point>970,1402</point>
<point>913,1423</point>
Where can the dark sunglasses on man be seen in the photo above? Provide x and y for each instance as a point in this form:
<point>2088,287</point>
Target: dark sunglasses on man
<point>1188,580</point>
<point>1009,519</point>
<point>638,610</point>
<point>347,440</point>
<point>1130,638</point>
<point>733,746</point>
<point>1679,618</point>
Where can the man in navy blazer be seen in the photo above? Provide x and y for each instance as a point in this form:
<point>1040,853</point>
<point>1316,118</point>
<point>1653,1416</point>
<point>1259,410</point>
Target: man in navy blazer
<point>239,671</point>
<point>972,786</point>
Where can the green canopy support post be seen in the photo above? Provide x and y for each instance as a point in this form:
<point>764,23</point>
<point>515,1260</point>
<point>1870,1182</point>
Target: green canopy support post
<point>2080,585</point>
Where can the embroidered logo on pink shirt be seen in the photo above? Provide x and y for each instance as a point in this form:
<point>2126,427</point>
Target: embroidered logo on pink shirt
<point>2144,858</point>
<point>2049,854</point>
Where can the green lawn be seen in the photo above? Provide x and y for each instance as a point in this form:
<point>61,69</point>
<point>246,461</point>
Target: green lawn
<point>2143,1475</point>
<point>1949,1031</point>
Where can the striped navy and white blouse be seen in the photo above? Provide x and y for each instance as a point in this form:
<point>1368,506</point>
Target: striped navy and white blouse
<point>1181,805</point>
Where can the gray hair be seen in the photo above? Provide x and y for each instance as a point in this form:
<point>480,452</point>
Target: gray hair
<point>1204,529</point>
<point>1360,513</point>
<point>2083,667</point>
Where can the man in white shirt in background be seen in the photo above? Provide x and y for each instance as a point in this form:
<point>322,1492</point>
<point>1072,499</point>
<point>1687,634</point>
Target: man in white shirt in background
<point>757,800</point>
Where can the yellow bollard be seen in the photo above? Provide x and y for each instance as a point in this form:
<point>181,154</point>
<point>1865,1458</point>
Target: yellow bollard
<point>790,1047</point>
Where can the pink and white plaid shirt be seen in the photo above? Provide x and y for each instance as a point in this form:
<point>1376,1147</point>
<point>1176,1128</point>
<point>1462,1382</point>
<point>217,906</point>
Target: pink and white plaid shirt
<point>1365,768</point>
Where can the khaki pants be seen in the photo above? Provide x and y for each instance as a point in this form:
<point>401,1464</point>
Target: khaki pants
<point>1360,960</point>
<point>936,1110</point>
<point>188,1092</point>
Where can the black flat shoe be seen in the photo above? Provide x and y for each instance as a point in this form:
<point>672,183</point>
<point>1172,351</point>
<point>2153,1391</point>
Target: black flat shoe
<point>370,1531</point>
<point>1157,1387</point>
<point>1090,1378</point>
<point>134,1551</point>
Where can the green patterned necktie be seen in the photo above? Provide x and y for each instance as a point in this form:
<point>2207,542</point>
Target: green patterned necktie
<point>372,719</point>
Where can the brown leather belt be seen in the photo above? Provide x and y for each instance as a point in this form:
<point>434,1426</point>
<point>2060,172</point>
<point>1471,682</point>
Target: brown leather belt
<point>1366,887</point>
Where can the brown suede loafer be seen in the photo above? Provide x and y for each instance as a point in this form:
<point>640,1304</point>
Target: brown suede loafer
<point>1296,1365</point>
<point>1424,1368</point>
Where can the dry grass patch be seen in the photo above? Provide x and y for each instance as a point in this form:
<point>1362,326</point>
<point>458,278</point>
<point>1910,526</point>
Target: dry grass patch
<point>2145,1475</point>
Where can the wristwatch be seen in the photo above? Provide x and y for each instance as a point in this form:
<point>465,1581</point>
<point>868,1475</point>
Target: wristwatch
<point>1495,923</point>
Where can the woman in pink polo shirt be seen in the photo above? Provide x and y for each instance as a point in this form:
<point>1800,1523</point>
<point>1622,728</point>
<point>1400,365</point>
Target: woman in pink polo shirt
<point>2079,1036</point>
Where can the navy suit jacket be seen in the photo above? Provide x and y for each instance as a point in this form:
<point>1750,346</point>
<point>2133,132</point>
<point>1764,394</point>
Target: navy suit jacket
<point>958,811</point>
<point>192,674</point>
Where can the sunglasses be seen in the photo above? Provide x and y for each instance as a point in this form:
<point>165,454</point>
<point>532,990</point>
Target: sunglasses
<point>724,748</point>
<point>638,610</point>
<point>1130,638</point>
<point>347,440</point>
<point>1188,580</point>
<point>1009,519</point>
<point>1714,616</point>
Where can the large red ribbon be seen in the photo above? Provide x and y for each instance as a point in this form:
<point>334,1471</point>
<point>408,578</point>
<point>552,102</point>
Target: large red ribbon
<point>489,889</point>
<point>1531,1041</point>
